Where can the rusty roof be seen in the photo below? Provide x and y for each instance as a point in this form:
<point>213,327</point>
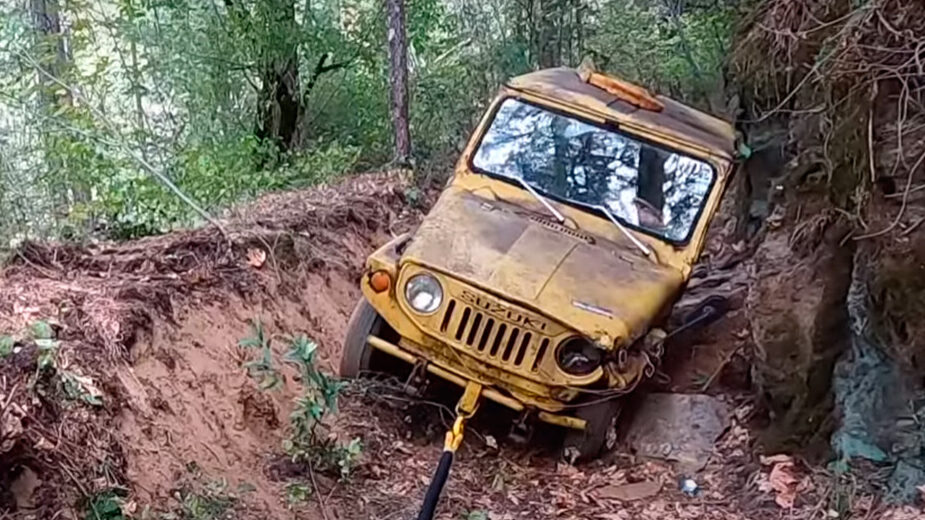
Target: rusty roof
<point>677,120</point>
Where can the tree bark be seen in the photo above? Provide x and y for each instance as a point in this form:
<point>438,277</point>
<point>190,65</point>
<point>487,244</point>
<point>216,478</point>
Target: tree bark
<point>53,69</point>
<point>398,79</point>
<point>51,48</point>
<point>280,110</point>
<point>280,104</point>
<point>548,29</point>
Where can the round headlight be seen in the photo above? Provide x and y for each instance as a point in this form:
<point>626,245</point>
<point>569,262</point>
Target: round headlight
<point>424,293</point>
<point>579,357</point>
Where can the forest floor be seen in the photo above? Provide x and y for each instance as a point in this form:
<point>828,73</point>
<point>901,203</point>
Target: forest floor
<point>143,398</point>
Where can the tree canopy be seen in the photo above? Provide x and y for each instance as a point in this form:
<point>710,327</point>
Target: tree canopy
<point>110,109</point>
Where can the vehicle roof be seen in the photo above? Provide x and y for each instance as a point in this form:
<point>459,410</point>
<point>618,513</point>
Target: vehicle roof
<point>676,120</point>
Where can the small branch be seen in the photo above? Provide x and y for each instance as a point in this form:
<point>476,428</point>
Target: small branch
<point>41,270</point>
<point>321,68</point>
<point>311,475</point>
<point>912,227</point>
<point>870,133</point>
<point>9,398</point>
<point>719,369</point>
<point>902,209</point>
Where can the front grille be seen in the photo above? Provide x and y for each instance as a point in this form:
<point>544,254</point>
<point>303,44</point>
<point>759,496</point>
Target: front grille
<point>491,338</point>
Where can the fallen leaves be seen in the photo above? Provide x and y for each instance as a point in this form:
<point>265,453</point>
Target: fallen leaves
<point>630,492</point>
<point>782,480</point>
<point>256,257</point>
<point>11,427</point>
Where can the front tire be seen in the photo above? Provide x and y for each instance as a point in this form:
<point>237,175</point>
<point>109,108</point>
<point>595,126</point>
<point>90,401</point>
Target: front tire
<point>358,353</point>
<point>599,435</point>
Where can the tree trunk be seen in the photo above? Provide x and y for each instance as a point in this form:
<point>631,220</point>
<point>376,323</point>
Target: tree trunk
<point>51,49</point>
<point>652,177</point>
<point>280,103</point>
<point>52,70</point>
<point>548,31</point>
<point>280,98</point>
<point>398,79</point>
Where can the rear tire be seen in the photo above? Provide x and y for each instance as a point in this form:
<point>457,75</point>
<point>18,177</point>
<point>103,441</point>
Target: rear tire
<point>599,435</point>
<point>358,353</point>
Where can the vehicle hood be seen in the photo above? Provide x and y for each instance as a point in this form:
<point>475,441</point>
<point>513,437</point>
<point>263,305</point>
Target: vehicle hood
<point>605,290</point>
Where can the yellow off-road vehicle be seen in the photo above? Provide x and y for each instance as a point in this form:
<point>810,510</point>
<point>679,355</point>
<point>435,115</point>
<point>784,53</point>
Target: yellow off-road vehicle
<point>565,235</point>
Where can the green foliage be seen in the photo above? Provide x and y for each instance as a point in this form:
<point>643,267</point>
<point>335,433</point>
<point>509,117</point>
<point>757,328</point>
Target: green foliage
<point>211,502</point>
<point>41,330</point>
<point>106,505</point>
<point>44,337</point>
<point>78,388</point>
<point>182,89</point>
<point>297,493</point>
<point>476,515</point>
<point>6,346</point>
<point>49,379</point>
<point>673,47</point>
<point>346,456</point>
<point>318,400</point>
<point>261,369</point>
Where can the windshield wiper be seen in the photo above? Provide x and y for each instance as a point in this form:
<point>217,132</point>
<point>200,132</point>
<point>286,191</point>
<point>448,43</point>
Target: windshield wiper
<point>638,243</point>
<point>561,218</point>
<point>537,196</point>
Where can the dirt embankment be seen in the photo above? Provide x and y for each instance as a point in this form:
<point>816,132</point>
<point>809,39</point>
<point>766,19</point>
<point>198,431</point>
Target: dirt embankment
<point>150,330</point>
<point>141,392</point>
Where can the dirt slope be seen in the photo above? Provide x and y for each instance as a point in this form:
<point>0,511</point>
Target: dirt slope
<point>152,327</point>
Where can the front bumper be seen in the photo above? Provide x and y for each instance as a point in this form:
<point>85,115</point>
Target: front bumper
<point>460,380</point>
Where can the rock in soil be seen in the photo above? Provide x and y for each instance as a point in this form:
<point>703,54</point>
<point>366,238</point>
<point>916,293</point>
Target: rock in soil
<point>681,428</point>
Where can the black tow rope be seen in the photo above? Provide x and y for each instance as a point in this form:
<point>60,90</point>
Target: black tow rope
<point>464,409</point>
<point>453,439</point>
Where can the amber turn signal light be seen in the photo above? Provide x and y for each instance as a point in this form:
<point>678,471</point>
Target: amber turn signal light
<point>380,281</point>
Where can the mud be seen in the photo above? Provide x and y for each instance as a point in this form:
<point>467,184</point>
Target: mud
<point>183,427</point>
<point>189,401</point>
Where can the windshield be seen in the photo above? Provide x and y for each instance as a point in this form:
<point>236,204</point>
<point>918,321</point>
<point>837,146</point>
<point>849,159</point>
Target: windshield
<point>653,189</point>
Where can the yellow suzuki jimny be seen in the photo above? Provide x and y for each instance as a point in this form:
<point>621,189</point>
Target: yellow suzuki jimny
<point>561,242</point>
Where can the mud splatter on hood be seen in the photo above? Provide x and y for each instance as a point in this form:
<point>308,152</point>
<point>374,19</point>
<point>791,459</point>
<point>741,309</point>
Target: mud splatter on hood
<point>596,286</point>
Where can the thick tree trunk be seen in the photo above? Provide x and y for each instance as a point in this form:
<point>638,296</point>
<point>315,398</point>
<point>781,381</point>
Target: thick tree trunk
<point>280,99</point>
<point>398,79</point>
<point>51,46</point>
<point>281,104</point>
<point>52,70</point>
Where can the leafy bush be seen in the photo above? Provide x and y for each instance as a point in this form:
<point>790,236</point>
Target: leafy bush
<point>318,400</point>
<point>262,368</point>
<point>106,505</point>
<point>674,48</point>
<point>308,441</point>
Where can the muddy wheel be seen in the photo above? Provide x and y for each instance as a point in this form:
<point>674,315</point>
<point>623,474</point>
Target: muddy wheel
<point>358,354</point>
<point>600,434</point>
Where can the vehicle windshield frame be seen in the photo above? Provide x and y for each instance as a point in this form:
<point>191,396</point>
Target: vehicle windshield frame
<point>609,126</point>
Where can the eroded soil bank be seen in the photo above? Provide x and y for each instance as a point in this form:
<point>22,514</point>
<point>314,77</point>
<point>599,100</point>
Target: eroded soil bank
<point>146,396</point>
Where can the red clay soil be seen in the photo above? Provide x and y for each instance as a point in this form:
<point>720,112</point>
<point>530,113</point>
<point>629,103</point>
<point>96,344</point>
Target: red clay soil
<point>152,326</point>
